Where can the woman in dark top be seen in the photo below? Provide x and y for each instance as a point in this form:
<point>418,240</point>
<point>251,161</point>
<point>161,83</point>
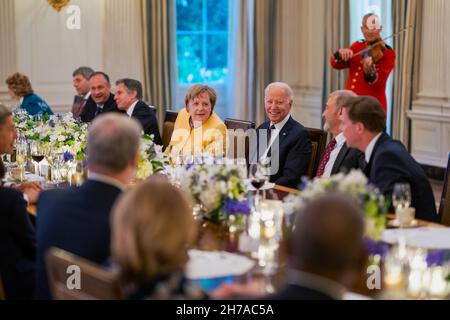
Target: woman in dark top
<point>152,227</point>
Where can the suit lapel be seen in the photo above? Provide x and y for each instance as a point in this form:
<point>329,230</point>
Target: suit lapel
<point>368,167</point>
<point>340,158</point>
<point>285,132</point>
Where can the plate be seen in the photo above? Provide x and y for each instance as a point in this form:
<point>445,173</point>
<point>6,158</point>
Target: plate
<point>396,224</point>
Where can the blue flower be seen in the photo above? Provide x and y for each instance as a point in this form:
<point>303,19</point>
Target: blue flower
<point>68,156</point>
<point>51,123</point>
<point>234,207</point>
<point>375,247</point>
<point>438,258</point>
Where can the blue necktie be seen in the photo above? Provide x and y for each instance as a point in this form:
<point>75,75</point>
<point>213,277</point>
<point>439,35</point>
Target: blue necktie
<point>99,110</point>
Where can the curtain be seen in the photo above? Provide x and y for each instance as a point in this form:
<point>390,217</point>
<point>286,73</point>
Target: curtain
<point>406,13</point>
<point>251,56</point>
<point>159,41</point>
<point>337,35</point>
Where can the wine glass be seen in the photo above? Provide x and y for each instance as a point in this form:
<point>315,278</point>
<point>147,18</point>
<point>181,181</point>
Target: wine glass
<point>241,163</point>
<point>37,154</point>
<point>78,175</point>
<point>56,160</point>
<point>401,199</point>
<point>258,179</point>
<point>21,156</point>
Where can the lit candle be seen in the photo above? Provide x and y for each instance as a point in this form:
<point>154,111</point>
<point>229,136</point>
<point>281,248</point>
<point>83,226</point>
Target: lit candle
<point>438,286</point>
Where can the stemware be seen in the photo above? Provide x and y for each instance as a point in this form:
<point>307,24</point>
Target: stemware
<point>21,157</point>
<point>401,199</point>
<point>37,154</point>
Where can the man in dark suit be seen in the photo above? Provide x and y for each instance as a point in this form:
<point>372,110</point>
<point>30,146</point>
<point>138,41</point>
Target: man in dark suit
<point>101,99</point>
<point>325,250</point>
<point>80,80</point>
<point>338,157</point>
<point>388,161</point>
<point>77,219</point>
<point>128,98</point>
<point>17,242</point>
<point>282,140</point>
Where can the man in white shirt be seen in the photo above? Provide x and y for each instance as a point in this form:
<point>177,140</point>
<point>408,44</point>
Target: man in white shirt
<point>128,98</point>
<point>77,219</point>
<point>282,139</point>
<point>388,161</point>
<point>338,157</point>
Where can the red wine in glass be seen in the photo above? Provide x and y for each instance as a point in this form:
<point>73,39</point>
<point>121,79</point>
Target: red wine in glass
<point>38,158</point>
<point>258,183</point>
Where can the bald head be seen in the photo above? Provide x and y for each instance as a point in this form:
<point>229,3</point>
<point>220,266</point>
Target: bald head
<point>327,240</point>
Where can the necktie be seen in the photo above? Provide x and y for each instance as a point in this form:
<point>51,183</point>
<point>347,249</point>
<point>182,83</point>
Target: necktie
<point>269,136</point>
<point>326,158</point>
<point>99,110</point>
<point>80,108</point>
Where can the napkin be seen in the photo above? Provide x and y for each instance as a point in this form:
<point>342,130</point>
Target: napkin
<point>216,264</point>
<point>426,238</point>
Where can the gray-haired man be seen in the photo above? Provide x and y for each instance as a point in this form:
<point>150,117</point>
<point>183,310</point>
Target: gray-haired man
<point>80,80</point>
<point>77,219</point>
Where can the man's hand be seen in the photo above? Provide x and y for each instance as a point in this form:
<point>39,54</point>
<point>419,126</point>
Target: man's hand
<point>368,66</point>
<point>31,189</point>
<point>346,54</point>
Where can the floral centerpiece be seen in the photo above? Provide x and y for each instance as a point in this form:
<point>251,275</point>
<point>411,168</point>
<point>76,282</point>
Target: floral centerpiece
<point>354,184</point>
<point>151,158</point>
<point>219,189</point>
<point>63,134</point>
<point>60,133</point>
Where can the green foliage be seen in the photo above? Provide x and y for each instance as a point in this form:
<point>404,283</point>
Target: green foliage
<point>202,40</point>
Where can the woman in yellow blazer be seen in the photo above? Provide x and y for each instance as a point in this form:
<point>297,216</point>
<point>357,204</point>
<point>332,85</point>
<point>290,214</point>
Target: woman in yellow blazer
<point>198,130</point>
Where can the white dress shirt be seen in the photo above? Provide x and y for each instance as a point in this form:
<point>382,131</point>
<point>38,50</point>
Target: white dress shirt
<point>106,179</point>
<point>371,146</point>
<point>131,109</point>
<point>315,282</point>
<point>340,141</point>
<point>86,97</point>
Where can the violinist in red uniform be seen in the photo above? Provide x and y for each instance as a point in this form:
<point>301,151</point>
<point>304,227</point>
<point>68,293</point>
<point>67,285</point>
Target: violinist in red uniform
<point>370,62</point>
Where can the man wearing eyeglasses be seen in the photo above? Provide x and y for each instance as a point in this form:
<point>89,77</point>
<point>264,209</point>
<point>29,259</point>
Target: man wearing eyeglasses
<point>282,141</point>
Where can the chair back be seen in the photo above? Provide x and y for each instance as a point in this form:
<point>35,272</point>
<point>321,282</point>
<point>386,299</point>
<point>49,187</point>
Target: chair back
<point>444,208</point>
<point>168,127</point>
<point>93,283</point>
<point>318,144</point>
<point>238,138</point>
<point>2,292</point>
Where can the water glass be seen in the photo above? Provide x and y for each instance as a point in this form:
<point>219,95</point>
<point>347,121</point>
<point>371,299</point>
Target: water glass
<point>401,198</point>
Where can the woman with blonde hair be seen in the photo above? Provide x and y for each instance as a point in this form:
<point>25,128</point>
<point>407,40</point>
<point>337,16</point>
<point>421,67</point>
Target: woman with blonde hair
<point>20,90</point>
<point>198,129</point>
<point>152,228</point>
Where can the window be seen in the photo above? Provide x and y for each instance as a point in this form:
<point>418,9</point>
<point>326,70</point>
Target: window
<point>383,8</point>
<point>202,41</point>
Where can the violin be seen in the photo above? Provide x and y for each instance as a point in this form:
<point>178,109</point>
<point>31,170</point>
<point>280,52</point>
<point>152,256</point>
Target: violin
<point>375,50</point>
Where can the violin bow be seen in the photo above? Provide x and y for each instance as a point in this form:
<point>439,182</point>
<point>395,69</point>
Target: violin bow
<point>383,40</point>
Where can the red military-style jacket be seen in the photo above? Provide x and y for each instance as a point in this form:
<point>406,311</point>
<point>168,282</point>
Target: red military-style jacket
<point>362,84</point>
